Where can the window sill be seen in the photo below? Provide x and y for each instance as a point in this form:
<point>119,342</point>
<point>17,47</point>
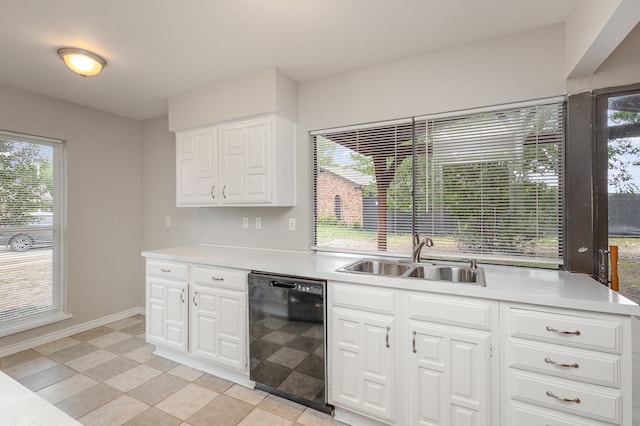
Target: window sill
<point>30,323</point>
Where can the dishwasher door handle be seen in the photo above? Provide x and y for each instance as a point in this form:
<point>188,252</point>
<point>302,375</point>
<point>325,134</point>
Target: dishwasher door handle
<point>275,283</point>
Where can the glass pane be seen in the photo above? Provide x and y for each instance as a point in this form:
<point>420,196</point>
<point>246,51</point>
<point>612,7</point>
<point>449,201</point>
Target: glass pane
<point>26,230</point>
<point>624,189</point>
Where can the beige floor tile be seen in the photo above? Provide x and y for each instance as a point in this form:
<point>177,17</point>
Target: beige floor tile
<point>185,372</point>
<point>115,412</point>
<point>160,363</point>
<point>111,368</point>
<point>158,388</point>
<point>282,407</point>
<point>66,388</point>
<point>83,403</point>
<point>312,417</point>
<point>125,346</point>
<point>259,417</point>
<point>93,333</point>
<point>56,345</point>
<point>187,401</point>
<point>224,410</point>
<point>109,339</point>
<point>153,416</point>
<point>47,377</point>
<point>18,358</point>
<point>30,367</point>
<point>90,360</point>
<point>142,354</point>
<point>72,352</point>
<point>136,330</point>
<point>251,396</point>
<point>124,323</point>
<point>132,378</point>
<point>213,383</point>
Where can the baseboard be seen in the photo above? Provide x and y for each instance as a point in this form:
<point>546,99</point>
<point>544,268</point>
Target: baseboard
<point>69,331</point>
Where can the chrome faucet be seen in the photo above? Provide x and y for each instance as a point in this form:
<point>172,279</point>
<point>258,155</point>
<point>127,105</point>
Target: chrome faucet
<point>418,245</point>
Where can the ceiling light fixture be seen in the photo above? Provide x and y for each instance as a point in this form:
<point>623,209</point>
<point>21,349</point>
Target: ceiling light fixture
<point>82,61</point>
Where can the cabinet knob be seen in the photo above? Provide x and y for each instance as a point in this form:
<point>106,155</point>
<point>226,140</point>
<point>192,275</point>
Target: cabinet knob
<point>213,195</point>
<point>165,270</point>
<point>553,330</point>
<point>414,341</point>
<point>560,364</point>
<point>387,338</point>
<point>574,400</point>
<point>194,298</point>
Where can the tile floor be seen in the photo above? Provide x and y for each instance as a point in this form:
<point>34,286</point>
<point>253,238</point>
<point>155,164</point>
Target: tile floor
<point>110,376</point>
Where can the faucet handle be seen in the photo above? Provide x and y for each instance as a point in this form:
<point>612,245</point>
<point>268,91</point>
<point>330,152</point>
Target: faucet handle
<point>428,242</point>
<point>416,239</point>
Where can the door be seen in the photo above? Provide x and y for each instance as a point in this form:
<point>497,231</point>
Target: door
<point>218,326</point>
<point>197,167</point>
<point>363,354</point>
<point>449,380</point>
<point>167,313</point>
<point>618,189</point>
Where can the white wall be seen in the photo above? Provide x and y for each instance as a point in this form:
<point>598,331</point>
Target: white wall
<point>104,267</point>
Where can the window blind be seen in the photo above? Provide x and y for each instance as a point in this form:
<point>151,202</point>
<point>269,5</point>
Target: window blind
<point>31,290</point>
<point>486,184</point>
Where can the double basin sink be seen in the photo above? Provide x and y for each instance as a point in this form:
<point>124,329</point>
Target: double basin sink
<point>403,269</point>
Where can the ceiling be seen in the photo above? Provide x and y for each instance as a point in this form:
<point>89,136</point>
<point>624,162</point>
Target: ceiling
<point>156,49</point>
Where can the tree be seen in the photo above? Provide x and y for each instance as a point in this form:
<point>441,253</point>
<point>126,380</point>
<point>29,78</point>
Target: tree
<point>621,150</point>
<point>25,182</point>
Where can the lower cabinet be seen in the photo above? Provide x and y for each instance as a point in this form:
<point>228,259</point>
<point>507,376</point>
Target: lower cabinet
<point>198,312</point>
<point>402,357</point>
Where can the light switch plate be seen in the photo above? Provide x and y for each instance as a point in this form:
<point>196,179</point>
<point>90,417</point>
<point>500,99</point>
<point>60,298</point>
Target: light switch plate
<point>245,222</point>
<point>292,224</point>
<point>258,223</point>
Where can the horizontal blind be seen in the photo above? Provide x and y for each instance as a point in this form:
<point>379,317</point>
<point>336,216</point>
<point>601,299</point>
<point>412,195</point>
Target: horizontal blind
<point>494,184</point>
<point>363,180</point>
<point>30,230</point>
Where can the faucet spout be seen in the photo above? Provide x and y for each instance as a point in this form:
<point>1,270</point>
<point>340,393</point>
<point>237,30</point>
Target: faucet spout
<point>419,245</point>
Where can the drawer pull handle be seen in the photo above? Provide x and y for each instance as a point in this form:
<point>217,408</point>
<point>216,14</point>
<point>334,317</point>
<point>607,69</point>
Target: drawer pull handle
<point>182,296</point>
<point>194,298</point>
<point>165,270</point>
<point>214,278</point>
<point>575,400</point>
<point>549,328</point>
<point>388,328</point>
<point>560,364</point>
<point>414,341</point>
<point>213,188</point>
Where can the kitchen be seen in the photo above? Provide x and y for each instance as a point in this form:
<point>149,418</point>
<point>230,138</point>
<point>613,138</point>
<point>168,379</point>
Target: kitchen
<point>115,161</point>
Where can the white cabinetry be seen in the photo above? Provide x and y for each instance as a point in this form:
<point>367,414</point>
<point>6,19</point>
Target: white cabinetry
<point>565,367</point>
<point>363,350</point>
<point>218,316</point>
<point>198,316</point>
<point>450,362</point>
<point>403,357</point>
<point>166,316</point>
<point>249,162</point>
<point>197,167</point>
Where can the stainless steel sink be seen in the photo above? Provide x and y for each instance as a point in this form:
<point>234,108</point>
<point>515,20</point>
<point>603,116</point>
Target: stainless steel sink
<point>435,272</point>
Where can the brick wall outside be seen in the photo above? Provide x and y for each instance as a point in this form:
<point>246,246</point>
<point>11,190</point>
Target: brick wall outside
<point>330,185</point>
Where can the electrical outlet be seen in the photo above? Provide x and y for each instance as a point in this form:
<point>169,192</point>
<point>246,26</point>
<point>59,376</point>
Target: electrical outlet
<point>167,221</point>
<point>245,222</point>
<point>292,224</point>
<point>258,223</point>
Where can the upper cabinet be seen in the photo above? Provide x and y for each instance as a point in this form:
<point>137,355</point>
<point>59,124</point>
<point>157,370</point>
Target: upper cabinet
<point>242,163</point>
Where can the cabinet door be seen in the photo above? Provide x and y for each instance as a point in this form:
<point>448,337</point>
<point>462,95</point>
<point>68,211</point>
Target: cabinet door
<point>450,374</point>
<point>363,353</point>
<point>197,167</point>
<point>218,326</point>
<point>167,313</point>
<point>246,157</point>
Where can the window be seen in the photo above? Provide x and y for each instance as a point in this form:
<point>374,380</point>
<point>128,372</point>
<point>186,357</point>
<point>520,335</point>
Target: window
<point>486,184</point>
<point>31,203</point>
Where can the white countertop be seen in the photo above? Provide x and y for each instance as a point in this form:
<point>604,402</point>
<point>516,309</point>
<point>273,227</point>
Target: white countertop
<point>513,284</point>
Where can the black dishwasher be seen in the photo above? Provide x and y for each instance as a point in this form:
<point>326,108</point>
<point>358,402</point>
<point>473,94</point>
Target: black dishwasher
<point>287,337</point>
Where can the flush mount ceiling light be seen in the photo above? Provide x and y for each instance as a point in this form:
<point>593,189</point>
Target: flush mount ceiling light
<point>82,61</point>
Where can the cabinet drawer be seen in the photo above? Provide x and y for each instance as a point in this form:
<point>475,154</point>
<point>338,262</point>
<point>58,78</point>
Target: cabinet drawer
<point>522,414</point>
<point>576,364</point>
<point>231,279</point>
<point>452,310</point>
<point>168,270</point>
<point>364,298</point>
<point>584,332</point>
<point>594,402</point>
